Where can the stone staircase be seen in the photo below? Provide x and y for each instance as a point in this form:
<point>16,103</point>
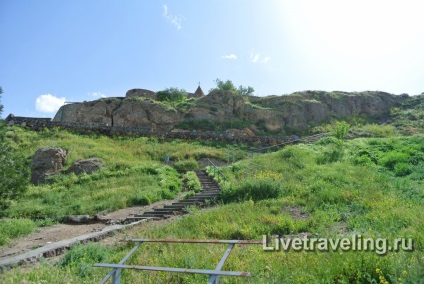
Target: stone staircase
<point>210,190</point>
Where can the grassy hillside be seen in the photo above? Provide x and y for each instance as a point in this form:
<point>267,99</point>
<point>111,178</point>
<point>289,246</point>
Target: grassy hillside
<point>371,187</point>
<point>134,174</point>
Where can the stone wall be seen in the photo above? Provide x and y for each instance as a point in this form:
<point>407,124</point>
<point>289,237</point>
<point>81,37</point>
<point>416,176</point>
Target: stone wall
<point>43,123</point>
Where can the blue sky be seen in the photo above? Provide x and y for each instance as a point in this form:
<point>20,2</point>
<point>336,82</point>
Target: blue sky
<point>78,50</point>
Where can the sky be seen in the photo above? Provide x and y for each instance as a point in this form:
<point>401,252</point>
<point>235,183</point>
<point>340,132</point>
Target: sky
<point>77,50</point>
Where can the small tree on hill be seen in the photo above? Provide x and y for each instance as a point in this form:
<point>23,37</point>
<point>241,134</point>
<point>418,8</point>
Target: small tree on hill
<point>245,91</point>
<point>172,95</point>
<point>13,169</point>
<point>339,129</point>
<point>229,86</point>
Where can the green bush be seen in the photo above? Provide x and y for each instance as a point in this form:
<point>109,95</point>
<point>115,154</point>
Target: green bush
<point>186,165</point>
<point>13,228</point>
<point>339,129</point>
<point>191,182</point>
<point>140,199</point>
<point>402,169</point>
<point>327,140</point>
<point>252,190</point>
<point>390,159</point>
<point>172,95</point>
<point>80,258</point>
<point>331,154</point>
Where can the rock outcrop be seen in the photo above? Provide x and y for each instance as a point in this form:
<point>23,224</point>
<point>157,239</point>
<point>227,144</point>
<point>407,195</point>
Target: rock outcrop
<point>97,112</point>
<point>87,166</point>
<point>145,113</point>
<point>273,114</point>
<point>47,161</point>
<point>140,93</point>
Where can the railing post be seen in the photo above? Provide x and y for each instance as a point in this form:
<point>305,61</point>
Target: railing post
<point>116,276</point>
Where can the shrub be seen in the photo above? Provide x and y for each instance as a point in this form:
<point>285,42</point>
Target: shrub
<point>186,165</point>
<point>12,228</point>
<point>80,258</point>
<point>172,95</point>
<point>331,154</point>
<point>191,181</point>
<point>339,129</point>
<point>252,190</point>
<point>402,169</point>
<point>392,158</point>
<point>140,199</point>
<point>14,171</point>
<point>327,140</point>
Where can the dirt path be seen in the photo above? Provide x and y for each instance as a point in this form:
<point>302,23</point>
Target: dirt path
<point>46,235</point>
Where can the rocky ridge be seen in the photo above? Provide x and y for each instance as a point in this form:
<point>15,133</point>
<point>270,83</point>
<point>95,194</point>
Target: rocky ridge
<point>272,114</point>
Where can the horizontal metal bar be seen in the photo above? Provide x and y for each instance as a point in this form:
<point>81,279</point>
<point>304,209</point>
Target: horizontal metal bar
<point>172,269</point>
<point>241,242</point>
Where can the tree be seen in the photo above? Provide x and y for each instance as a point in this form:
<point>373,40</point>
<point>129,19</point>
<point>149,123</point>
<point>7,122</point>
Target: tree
<point>225,86</point>
<point>229,86</point>
<point>14,172</point>
<point>245,91</point>
<point>1,106</point>
<point>172,95</point>
<point>339,129</point>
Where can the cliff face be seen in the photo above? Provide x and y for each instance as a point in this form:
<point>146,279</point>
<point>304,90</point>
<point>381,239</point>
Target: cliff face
<point>272,114</point>
<point>140,112</point>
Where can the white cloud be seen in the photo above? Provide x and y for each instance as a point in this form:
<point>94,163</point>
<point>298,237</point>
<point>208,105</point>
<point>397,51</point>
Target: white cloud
<point>254,57</point>
<point>48,103</point>
<point>266,59</point>
<point>229,56</point>
<point>175,20</point>
<point>97,95</point>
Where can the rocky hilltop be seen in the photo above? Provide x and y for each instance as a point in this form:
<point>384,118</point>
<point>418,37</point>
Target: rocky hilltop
<point>221,110</point>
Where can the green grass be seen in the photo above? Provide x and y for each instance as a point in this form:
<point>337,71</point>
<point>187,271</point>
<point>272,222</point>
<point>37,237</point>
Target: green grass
<point>134,174</point>
<point>372,187</point>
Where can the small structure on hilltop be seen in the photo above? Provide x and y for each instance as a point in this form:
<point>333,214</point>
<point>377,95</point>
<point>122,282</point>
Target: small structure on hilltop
<point>197,94</point>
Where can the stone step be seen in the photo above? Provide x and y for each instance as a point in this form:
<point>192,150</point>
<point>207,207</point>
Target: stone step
<point>160,215</point>
<point>173,206</point>
<point>206,195</point>
<point>198,199</point>
<point>168,210</point>
<point>187,203</point>
<point>139,218</point>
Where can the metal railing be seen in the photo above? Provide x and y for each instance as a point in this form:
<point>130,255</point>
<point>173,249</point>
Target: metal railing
<point>214,274</point>
<point>216,171</point>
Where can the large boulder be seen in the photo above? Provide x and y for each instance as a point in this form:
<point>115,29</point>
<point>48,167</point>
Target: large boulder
<point>94,113</point>
<point>141,93</point>
<point>47,161</point>
<point>87,166</point>
<point>146,114</point>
